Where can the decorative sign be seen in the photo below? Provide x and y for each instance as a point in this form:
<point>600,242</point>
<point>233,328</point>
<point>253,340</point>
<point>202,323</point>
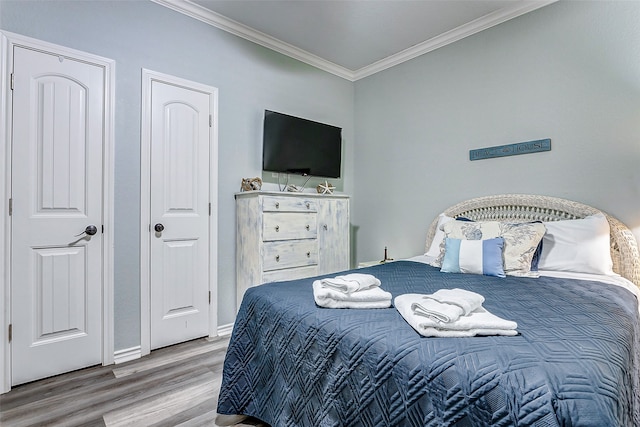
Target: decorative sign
<point>511,149</point>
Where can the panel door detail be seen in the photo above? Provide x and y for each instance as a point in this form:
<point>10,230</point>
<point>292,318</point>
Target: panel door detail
<point>57,161</point>
<point>179,277</point>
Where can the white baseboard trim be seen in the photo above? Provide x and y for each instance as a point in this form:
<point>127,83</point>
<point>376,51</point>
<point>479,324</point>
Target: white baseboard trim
<point>225,330</point>
<point>127,354</point>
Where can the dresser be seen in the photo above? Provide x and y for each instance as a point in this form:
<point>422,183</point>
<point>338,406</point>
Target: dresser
<point>287,236</point>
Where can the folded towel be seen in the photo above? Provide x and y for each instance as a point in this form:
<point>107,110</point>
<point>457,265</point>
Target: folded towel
<point>369,298</point>
<point>478,322</point>
<point>439,333</point>
<point>447,305</point>
<point>468,301</point>
<point>435,310</point>
<point>353,282</point>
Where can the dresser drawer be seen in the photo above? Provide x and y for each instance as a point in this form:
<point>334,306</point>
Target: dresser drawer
<point>289,225</point>
<point>289,274</point>
<point>288,254</point>
<point>288,204</point>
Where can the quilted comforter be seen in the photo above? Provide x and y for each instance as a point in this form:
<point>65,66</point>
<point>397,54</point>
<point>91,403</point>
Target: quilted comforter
<point>574,363</point>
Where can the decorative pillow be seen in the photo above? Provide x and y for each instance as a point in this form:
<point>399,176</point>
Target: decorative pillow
<point>520,241</point>
<point>436,249</point>
<point>535,261</point>
<point>473,256</point>
<point>578,245</point>
<point>438,238</point>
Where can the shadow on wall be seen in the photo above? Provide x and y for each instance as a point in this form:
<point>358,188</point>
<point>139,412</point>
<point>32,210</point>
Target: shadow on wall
<point>635,229</point>
<point>353,239</point>
<point>270,58</point>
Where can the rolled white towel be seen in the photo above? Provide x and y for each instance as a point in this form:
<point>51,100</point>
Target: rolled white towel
<point>436,310</point>
<point>468,301</point>
<point>370,298</point>
<point>478,322</point>
<point>353,282</point>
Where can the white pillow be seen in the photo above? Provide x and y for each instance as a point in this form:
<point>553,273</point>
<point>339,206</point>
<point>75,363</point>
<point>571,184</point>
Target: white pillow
<point>438,238</point>
<point>578,245</point>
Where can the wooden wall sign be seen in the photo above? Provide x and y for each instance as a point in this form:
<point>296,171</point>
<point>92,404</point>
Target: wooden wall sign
<point>511,149</point>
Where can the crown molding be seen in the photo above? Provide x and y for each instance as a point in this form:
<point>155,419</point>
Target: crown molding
<point>219,21</point>
<point>466,30</point>
<point>200,13</point>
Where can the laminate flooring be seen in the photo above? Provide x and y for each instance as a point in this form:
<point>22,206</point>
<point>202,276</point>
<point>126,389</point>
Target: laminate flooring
<point>173,386</point>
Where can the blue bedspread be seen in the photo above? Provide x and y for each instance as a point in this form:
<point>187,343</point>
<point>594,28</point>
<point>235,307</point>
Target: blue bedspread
<point>291,363</point>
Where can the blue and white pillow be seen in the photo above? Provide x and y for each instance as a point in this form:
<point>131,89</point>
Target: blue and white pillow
<point>473,256</point>
<point>521,242</point>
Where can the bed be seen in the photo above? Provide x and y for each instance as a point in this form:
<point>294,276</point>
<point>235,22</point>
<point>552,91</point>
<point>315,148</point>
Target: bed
<point>573,362</point>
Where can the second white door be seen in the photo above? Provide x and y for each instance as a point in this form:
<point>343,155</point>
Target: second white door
<point>179,213</point>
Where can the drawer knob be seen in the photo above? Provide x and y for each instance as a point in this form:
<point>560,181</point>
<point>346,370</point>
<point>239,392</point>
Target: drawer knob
<point>277,205</point>
<point>326,227</point>
<point>277,258</point>
<point>307,227</point>
<point>308,205</point>
<point>308,254</point>
<point>277,228</point>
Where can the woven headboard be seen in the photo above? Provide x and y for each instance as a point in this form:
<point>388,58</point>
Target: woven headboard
<point>524,207</point>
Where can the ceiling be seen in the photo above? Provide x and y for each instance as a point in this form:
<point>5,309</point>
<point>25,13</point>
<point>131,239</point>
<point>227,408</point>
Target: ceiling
<point>354,38</point>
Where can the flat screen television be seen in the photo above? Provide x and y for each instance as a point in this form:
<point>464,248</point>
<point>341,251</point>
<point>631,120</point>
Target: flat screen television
<point>299,146</point>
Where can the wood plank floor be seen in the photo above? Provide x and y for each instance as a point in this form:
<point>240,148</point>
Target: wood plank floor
<point>173,386</point>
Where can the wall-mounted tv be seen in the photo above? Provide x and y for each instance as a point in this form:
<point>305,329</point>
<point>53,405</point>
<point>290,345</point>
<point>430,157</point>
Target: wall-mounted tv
<point>299,146</point>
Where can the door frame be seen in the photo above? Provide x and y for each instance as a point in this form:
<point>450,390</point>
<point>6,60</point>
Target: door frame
<point>8,41</point>
<point>148,77</point>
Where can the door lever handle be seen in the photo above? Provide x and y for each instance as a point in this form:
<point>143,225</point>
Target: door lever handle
<point>89,231</point>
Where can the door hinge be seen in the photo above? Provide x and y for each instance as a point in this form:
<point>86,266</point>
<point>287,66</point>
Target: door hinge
<point>10,207</point>
<point>11,81</point>
<point>102,228</point>
<point>210,117</point>
<point>209,208</point>
<point>10,332</point>
<point>209,297</point>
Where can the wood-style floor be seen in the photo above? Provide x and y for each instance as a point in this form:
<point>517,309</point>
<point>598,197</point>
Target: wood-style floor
<point>173,386</point>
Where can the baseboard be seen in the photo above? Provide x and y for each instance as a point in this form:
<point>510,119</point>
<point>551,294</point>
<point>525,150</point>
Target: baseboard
<point>225,330</point>
<point>127,354</point>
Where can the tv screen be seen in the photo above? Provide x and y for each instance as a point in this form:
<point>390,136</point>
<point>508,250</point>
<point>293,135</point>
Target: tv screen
<point>300,146</point>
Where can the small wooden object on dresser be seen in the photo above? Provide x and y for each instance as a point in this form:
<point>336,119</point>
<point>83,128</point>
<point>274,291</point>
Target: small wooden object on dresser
<point>287,236</point>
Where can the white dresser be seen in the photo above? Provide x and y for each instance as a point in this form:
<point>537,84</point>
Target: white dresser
<point>286,236</point>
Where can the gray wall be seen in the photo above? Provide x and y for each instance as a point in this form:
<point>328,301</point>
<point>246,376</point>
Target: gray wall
<point>142,34</point>
<point>569,71</point>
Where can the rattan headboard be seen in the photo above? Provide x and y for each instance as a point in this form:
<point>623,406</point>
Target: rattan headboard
<point>524,207</point>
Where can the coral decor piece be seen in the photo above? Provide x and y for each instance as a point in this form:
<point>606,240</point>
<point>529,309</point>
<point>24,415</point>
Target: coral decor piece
<point>325,188</point>
<point>251,184</point>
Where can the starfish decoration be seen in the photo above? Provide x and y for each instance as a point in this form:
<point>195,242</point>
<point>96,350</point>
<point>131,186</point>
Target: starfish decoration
<point>325,188</point>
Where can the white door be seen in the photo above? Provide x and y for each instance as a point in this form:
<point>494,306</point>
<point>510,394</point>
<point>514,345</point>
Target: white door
<point>179,223</point>
<point>56,267</point>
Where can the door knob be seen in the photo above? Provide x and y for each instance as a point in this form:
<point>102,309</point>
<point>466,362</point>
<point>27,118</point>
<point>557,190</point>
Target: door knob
<point>89,231</point>
<point>158,227</point>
